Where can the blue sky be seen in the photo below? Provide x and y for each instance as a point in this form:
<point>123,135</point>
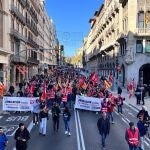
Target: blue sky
<point>71,19</point>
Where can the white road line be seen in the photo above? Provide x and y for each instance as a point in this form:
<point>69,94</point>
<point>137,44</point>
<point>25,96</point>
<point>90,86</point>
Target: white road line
<point>77,131</point>
<point>146,143</point>
<point>116,113</point>
<point>124,121</point>
<point>81,133</point>
<point>131,114</point>
<point>131,107</point>
<point>1,117</point>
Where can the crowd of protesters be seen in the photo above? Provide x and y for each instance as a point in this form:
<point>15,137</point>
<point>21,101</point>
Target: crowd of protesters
<point>58,89</point>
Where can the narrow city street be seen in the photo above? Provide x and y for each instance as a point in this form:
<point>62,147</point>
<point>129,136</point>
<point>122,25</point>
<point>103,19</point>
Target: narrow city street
<point>84,132</point>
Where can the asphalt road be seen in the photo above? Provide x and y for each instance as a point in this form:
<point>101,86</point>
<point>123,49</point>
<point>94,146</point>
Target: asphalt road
<point>84,132</point>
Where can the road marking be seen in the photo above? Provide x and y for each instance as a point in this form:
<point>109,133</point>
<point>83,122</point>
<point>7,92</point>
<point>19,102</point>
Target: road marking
<point>131,114</point>
<point>124,121</point>
<point>81,133</point>
<point>131,107</point>
<point>77,131</point>
<point>146,143</point>
<point>1,117</point>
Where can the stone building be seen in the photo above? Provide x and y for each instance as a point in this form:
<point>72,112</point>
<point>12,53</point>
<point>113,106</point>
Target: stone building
<point>31,40</point>
<point>118,42</point>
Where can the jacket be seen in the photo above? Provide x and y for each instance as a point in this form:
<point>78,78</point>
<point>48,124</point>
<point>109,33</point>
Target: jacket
<point>142,129</point>
<point>43,114</point>
<point>20,135</point>
<point>3,140</point>
<point>103,126</point>
<point>55,112</point>
<point>66,116</point>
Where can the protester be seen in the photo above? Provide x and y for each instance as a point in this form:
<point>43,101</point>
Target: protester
<point>119,102</point>
<point>132,137</point>
<point>138,95</point>
<point>36,110</point>
<point>104,105</point>
<point>3,139</point>
<point>119,90</point>
<point>11,89</point>
<point>142,131</point>
<point>22,137</point>
<point>43,117</point>
<point>55,116</point>
<point>103,125</point>
<point>66,118</point>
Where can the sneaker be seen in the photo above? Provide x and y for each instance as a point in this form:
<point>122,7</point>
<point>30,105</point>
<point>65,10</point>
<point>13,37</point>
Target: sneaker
<point>34,124</point>
<point>113,122</point>
<point>37,122</point>
<point>66,132</point>
<point>69,134</point>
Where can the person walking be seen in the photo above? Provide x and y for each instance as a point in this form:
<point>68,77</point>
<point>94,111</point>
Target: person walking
<point>36,110</point>
<point>142,131</point>
<point>22,137</point>
<point>103,125</point>
<point>66,118</point>
<point>55,116</point>
<point>119,90</point>
<point>119,102</point>
<point>3,139</point>
<point>132,137</point>
<point>138,95</point>
<point>43,117</point>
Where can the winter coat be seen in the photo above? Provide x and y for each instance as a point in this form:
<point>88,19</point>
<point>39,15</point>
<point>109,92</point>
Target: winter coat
<point>66,116</point>
<point>103,126</point>
<point>141,128</point>
<point>19,136</point>
<point>55,112</point>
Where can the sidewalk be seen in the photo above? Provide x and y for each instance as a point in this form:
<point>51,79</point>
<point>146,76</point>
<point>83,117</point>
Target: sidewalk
<point>132,100</point>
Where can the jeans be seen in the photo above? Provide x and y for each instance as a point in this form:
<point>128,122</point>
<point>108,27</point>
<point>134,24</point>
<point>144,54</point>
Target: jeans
<point>133,147</point>
<point>43,125</point>
<point>67,126</point>
<point>103,135</point>
<point>111,116</point>
<point>142,142</point>
<point>119,108</point>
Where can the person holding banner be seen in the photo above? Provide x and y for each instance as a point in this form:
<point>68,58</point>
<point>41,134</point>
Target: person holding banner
<point>43,116</point>
<point>103,125</point>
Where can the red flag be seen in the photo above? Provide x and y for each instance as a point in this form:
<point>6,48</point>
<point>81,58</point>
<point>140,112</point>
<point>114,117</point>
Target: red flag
<point>131,89</point>
<point>43,97</point>
<point>94,78</point>
<point>110,79</point>
<point>31,88</point>
<point>81,82</point>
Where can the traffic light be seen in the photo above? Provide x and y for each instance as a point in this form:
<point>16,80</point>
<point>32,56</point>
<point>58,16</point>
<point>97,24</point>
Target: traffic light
<point>146,18</point>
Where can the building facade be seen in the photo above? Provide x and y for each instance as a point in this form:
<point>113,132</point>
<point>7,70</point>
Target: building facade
<point>119,41</point>
<point>32,39</point>
<point>5,50</point>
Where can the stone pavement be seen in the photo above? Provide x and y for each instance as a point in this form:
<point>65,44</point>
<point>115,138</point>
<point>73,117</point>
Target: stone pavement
<point>132,100</point>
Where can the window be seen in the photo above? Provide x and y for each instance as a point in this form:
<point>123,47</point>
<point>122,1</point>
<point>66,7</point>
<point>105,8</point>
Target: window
<point>147,46</point>
<point>12,45</point>
<point>139,46</point>
<point>18,26</point>
<point>12,23</point>
<point>141,20</point>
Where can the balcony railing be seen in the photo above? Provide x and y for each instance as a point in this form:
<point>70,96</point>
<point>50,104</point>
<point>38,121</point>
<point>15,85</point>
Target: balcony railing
<point>32,27</point>
<point>22,2</point>
<point>19,58</point>
<point>32,43</point>
<point>33,60</point>
<point>18,14</point>
<point>143,31</point>
<point>17,35</point>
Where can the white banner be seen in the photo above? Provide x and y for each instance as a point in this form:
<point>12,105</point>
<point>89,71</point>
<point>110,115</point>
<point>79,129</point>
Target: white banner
<point>18,103</point>
<point>88,103</point>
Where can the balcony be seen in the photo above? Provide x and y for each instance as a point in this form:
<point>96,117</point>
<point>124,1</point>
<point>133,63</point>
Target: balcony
<point>143,32</point>
<point>19,58</point>
<point>22,2</point>
<point>32,43</point>
<point>14,10</point>
<point>32,26</point>
<point>17,35</point>
<point>33,60</point>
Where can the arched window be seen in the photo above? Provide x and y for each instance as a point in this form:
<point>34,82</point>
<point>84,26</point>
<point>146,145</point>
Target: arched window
<point>1,24</point>
<point>141,19</point>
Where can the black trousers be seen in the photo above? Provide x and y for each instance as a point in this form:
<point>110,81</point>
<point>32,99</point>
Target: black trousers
<point>35,117</point>
<point>55,123</point>
<point>21,145</point>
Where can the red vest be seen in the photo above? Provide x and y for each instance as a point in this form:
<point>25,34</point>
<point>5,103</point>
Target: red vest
<point>104,107</point>
<point>133,139</point>
<point>51,94</point>
<point>64,95</point>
